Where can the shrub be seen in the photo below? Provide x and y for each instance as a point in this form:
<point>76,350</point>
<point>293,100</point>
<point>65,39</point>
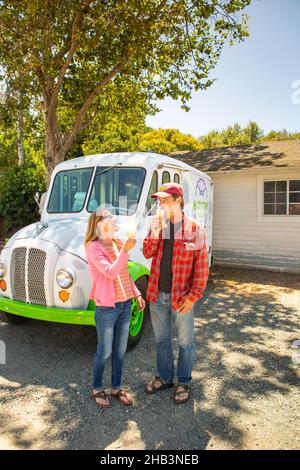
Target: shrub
<point>17,188</point>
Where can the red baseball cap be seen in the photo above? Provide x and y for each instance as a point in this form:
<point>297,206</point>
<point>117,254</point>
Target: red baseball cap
<point>167,189</point>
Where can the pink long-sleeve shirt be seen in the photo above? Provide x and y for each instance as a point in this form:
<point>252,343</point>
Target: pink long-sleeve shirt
<point>104,272</point>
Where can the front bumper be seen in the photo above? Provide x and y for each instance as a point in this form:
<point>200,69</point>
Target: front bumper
<point>52,314</point>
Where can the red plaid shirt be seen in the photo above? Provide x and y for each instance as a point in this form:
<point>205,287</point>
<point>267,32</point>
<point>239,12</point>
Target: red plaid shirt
<point>189,265</point>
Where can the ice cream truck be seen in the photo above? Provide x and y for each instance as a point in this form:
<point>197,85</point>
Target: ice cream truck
<point>44,272</point>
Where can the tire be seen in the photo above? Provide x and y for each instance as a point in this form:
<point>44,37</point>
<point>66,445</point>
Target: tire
<point>12,319</point>
<point>133,340</point>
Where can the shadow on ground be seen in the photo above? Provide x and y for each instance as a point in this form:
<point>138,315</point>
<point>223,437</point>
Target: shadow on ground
<point>240,358</point>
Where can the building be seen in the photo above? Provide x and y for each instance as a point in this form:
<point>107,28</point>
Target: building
<point>256,220</point>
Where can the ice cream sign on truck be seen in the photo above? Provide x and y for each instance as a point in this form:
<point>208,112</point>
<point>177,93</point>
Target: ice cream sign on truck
<point>43,268</point>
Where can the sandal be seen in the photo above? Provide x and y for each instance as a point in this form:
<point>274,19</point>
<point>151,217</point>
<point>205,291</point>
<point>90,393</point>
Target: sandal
<point>121,393</point>
<point>104,396</point>
<point>163,385</point>
<point>187,389</point>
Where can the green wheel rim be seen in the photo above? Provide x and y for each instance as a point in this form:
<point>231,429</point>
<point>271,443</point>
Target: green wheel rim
<point>136,320</point>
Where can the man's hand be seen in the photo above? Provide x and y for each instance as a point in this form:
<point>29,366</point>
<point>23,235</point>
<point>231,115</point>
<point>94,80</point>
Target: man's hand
<point>141,302</point>
<point>156,226</point>
<point>186,307</point>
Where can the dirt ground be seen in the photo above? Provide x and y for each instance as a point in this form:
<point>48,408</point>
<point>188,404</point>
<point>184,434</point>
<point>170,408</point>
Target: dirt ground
<point>245,390</point>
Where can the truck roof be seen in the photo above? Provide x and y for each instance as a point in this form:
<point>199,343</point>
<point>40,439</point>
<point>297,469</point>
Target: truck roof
<point>127,158</point>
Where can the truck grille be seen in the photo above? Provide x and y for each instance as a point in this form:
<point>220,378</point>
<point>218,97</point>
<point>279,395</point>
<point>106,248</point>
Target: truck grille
<point>35,275</point>
<point>17,274</point>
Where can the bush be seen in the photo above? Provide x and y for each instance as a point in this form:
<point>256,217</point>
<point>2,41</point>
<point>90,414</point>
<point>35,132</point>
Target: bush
<point>17,188</point>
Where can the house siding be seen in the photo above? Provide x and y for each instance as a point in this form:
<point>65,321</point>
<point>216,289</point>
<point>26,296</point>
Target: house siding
<point>242,235</point>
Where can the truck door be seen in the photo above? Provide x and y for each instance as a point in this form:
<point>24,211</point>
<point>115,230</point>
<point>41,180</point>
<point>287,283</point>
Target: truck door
<point>198,192</point>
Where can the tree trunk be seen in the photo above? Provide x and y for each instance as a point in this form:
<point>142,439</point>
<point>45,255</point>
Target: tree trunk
<point>53,145</point>
<point>57,145</point>
<point>52,156</point>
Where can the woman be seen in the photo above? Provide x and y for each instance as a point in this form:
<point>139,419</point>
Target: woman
<point>112,290</point>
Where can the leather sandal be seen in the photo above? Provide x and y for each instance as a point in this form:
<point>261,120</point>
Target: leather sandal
<point>121,393</point>
<point>163,385</point>
<point>105,396</point>
<point>187,389</point>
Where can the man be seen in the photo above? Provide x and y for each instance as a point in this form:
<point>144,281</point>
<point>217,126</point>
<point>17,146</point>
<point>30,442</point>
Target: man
<point>178,277</point>
<point>131,190</point>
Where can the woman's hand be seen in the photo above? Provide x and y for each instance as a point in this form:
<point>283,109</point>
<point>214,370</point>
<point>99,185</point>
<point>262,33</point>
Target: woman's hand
<point>119,243</point>
<point>129,244</point>
<point>141,302</point>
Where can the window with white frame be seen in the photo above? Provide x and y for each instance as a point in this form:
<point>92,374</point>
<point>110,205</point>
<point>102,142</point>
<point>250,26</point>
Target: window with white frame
<point>282,197</point>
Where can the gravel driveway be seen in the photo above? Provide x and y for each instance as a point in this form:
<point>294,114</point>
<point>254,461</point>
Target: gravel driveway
<point>245,391</point>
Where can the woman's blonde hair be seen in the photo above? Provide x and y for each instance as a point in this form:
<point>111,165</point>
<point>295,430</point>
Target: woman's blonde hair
<point>91,230</point>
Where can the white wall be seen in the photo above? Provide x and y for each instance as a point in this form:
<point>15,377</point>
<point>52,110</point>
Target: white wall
<point>241,233</point>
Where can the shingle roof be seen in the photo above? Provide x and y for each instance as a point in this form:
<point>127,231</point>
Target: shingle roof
<point>241,157</point>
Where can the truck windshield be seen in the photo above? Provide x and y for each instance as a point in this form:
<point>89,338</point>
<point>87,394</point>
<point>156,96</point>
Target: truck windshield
<point>69,190</point>
<point>119,189</point>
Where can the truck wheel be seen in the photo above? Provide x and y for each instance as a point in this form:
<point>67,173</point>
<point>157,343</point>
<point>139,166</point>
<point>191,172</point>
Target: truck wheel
<point>138,318</point>
<point>11,318</point>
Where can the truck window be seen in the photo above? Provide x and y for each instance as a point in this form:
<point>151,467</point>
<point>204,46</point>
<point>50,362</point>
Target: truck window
<point>119,189</point>
<point>176,178</point>
<point>69,190</point>
<point>166,177</point>
<point>153,189</point>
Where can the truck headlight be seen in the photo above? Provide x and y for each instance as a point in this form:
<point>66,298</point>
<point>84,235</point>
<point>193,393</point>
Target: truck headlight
<point>65,278</point>
<point>2,269</point>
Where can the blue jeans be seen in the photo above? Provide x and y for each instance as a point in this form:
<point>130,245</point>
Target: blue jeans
<point>161,317</point>
<point>112,331</point>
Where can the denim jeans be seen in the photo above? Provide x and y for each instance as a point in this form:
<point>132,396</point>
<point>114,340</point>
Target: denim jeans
<point>162,317</point>
<point>112,331</point>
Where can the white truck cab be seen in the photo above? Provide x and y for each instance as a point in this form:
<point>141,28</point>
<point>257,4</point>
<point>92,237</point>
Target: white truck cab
<point>43,267</point>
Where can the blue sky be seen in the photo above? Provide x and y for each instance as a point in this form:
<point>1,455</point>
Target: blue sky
<point>254,78</point>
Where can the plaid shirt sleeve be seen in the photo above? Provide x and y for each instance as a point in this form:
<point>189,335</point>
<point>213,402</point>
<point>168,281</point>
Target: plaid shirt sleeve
<point>201,268</point>
<point>150,246</point>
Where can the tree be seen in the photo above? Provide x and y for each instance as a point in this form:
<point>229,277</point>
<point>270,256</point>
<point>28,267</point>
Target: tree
<point>67,52</point>
<point>21,134</point>
<point>167,141</point>
<point>253,132</point>
<point>119,125</point>
<point>233,135</point>
<point>280,135</point>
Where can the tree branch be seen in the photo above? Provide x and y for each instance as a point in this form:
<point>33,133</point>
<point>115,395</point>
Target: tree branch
<point>79,123</point>
<point>76,21</point>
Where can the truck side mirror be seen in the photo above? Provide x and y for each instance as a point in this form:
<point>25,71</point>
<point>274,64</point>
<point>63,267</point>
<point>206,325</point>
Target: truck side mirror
<point>40,200</point>
<point>37,198</point>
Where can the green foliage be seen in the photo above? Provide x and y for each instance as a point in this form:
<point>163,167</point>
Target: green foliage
<point>17,188</point>
<point>167,140</point>
<point>122,109</point>
<point>236,135</point>
<point>33,139</point>
<point>62,58</point>
<point>8,148</point>
<point>280,135</point>
<point>232,135</point>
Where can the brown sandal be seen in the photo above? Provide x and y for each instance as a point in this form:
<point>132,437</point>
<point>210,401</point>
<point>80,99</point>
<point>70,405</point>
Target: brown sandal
<point>104,396</point>
<point>187,389</point>
<point>121,393</point>
<point>162,386</point>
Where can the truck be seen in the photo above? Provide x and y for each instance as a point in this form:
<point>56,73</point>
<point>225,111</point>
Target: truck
<point>44,273</point>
